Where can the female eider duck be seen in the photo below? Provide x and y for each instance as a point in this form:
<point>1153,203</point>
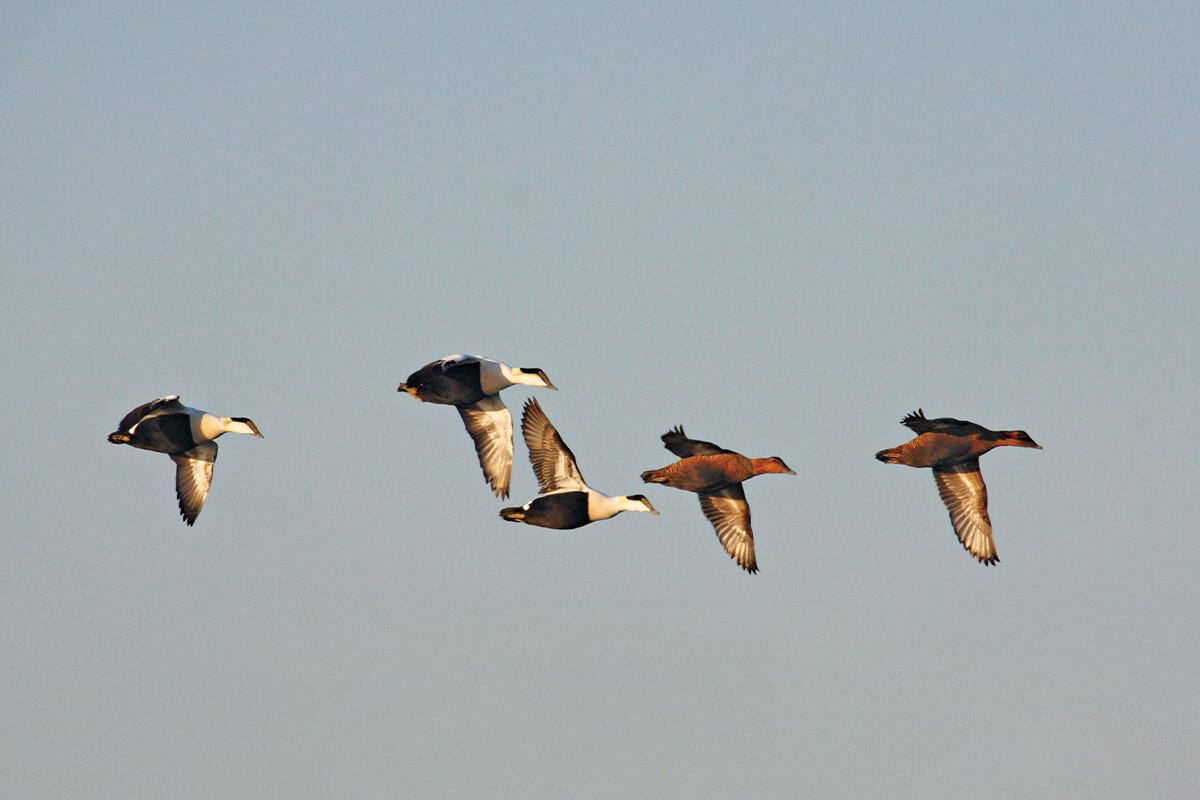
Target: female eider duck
<point>185,434</point>
<point>473,384</point>
<point>952,447</point>
<point>567,501</point>
<point>716,475</point>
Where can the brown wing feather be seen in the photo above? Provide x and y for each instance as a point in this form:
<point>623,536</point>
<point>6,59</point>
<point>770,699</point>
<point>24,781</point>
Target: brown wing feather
<point>490,426</point>
<point>678,443</point>
<point>916,421</point>
<point>729,514</point>
<point>553,462</point>
<point>193,477</point>
<point>963,491</point>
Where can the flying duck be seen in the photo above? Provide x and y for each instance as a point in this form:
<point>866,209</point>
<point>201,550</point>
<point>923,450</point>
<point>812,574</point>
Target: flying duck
<point>716,475</point>
<point>185,434</point>
<point>472,384</point>
<point>567,501</point>
<point>952,447</point>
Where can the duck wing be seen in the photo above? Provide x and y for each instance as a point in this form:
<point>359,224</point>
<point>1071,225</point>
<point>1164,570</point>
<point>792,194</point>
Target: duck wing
<point>169,404</point>
<point>963,491</point>
<point>553,462</point>
<point>678,443</point>
<point>729,514</point>
<point>490,425</point>
<point>918,423</point>
<point>193,476</point>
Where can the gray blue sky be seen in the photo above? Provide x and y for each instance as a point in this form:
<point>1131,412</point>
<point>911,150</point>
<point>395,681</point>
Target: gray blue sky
<point>781,226</point>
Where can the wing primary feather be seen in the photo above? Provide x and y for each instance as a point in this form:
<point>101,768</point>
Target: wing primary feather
<point>193,477</point>
<point>490,426</point>
<point>964,493</point>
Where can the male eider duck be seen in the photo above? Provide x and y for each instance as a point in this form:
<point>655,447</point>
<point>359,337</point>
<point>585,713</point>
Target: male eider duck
<point>567,502</point>
<point>952,447</point>
<point>185,434</point>
<point>473,384</point>
<point>716,475</point>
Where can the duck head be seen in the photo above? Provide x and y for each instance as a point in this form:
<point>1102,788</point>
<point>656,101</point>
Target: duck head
<point>1018,439</point>
<point>532,376</point>
<point>636,502</point>
<point>762,466</point>
<point>240,425</point>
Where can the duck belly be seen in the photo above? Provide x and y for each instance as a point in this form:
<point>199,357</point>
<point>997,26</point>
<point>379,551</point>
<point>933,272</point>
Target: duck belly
<point>700,473</point>
<point>938,450</point>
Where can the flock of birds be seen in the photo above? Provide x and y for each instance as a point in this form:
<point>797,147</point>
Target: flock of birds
<point>472,384</point>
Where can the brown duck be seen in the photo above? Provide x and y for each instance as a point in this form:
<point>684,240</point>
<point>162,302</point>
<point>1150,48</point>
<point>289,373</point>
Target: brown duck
<point>716,475</point>
<point>952,447</point>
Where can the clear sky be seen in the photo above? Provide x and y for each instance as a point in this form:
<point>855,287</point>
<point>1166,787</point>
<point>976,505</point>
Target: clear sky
<point>783,226</point>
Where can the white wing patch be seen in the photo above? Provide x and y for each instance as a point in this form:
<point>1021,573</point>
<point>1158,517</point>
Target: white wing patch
<point>490,425</point>
<point>193,476</point>
<point>962,490</point>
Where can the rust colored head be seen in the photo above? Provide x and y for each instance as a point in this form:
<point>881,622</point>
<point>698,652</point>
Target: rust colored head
<point>762,466</point>
<point>1018,439</point>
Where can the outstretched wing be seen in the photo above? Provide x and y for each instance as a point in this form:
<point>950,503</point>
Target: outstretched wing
<point>678,443</point>
<point>170,404</point>
<point>917,423</point>
<point>965,495</point>
<point>490,425</point>
<point>193,476</point>
<point>729,514</point>
<point>553,462</point>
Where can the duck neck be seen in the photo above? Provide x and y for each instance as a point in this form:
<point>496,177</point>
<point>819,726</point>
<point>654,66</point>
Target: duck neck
<point>208,427</point>
<point>600,506</point>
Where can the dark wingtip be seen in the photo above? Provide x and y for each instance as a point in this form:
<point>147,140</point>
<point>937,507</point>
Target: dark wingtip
<point>987,562</point>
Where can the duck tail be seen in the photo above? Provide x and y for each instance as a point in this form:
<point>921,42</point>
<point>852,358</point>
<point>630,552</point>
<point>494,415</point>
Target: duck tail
<point>654,476</point>
<point>513,514</point>
<point>889,456</point>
